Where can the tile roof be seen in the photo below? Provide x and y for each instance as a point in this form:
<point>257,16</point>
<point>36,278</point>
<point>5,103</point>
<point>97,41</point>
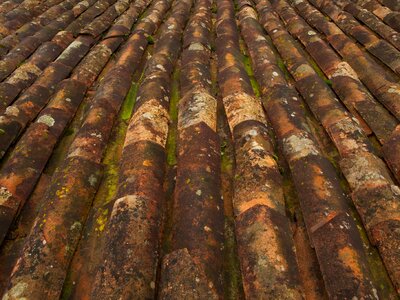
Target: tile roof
<point>182,149</point>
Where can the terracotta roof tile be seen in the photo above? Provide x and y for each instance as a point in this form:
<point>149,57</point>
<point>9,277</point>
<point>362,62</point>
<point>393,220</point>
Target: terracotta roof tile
<point>199,149</point>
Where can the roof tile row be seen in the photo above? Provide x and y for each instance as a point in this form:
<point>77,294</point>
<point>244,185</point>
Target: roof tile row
<point>89,205</point>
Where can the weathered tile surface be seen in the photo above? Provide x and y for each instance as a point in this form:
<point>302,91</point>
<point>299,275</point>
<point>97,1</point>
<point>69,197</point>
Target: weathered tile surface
<point>199,149</point>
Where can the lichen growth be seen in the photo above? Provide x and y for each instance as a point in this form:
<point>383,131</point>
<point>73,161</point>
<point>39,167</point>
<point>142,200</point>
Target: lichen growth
<point>233,288</point>
<point>214,8</point>
<point>250,73</point>
<point>127,108</point>
<point>283,68</point>
<point>17,291</point>
<point>76,227</point>
<point>150,39</point>
<point>4,195</point>
<point>109,184</point>
<point>196,47</point>
<point>12,111</point>
<point>173,113</point>
<point>102,218</point>
<point>299,146</point>
<point>47,120</point>
<point>92,180</point>
<point>318,70</point>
